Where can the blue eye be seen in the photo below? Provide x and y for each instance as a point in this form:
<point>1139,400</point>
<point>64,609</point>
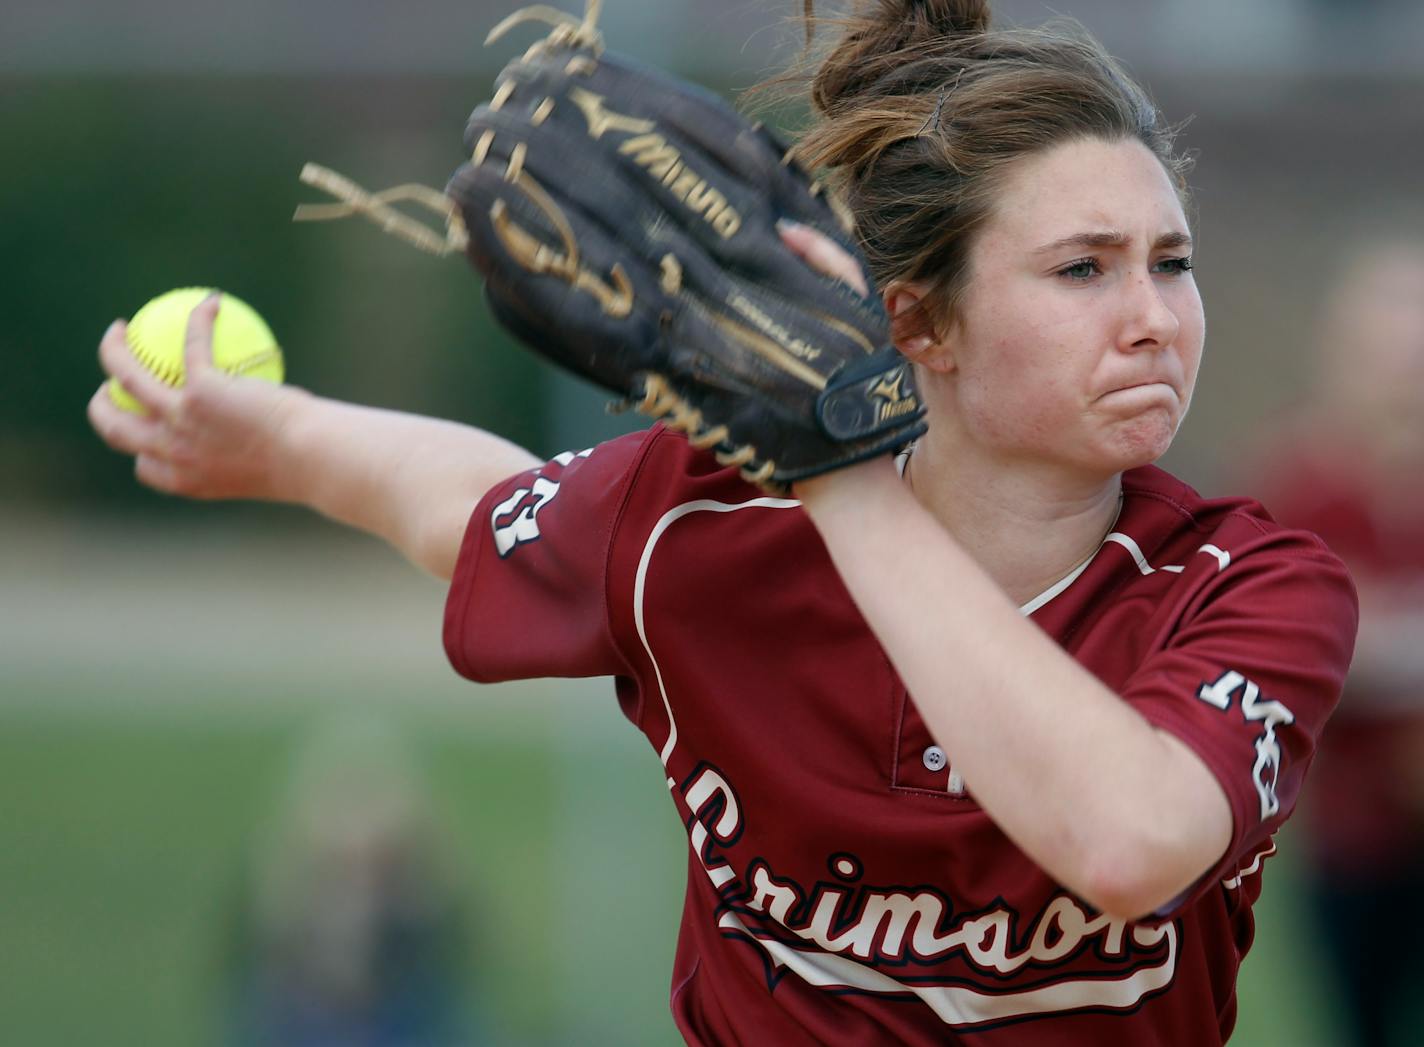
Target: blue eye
<point>1174,266</point>
<point>1082,269</point>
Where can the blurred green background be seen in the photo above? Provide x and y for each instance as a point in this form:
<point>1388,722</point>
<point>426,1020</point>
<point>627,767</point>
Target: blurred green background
<point>165,667</point>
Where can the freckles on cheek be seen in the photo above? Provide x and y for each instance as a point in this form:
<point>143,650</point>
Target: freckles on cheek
<point>987,405</point>
<point>1013,407</point>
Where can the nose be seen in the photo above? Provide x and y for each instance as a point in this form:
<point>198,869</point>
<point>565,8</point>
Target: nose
<point>1147,322</point>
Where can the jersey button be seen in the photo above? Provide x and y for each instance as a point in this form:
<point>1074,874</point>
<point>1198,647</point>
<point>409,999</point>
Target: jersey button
<point>934,758</point>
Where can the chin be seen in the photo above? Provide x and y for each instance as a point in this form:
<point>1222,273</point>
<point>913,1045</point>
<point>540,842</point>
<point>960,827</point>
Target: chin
<point>1140,441</point>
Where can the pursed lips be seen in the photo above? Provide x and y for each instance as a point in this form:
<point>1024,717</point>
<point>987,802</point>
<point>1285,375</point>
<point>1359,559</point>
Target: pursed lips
<point>1166,383</point>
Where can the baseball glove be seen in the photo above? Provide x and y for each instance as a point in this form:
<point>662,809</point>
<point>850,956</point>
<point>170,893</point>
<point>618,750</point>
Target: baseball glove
<point>626,225</point>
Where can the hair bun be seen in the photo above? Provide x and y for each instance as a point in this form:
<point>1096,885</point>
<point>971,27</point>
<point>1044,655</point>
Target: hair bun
<point>948,17</point>
<point>876,34</point>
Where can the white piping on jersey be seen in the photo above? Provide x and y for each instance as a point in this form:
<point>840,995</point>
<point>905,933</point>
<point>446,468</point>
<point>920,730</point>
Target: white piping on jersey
<point>1072,576</point>
<point>1056,588</point>
<point>1223,558</point>
<point>1251,869</point>
<point>960,1005</point>
<point>668,519</point>
<point>1135,551</point>
<point>903,459</point>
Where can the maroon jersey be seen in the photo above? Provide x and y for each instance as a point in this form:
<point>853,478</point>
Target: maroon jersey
<point>844,886</point>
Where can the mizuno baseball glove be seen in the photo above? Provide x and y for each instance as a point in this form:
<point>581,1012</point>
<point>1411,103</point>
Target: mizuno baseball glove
<point>625,224</point>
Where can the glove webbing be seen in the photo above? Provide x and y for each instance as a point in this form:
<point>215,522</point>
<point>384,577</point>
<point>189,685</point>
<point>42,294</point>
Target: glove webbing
<point>568,31</point>
<point>661,401</point>
<point>658,399</point>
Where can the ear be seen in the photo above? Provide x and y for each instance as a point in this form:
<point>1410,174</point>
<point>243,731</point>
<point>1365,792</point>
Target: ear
<point>912,327</point>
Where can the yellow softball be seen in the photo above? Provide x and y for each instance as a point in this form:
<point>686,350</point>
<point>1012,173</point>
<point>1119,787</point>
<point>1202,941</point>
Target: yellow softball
<point>242,342</point>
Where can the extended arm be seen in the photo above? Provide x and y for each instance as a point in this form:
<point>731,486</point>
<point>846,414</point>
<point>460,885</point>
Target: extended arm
<point>410,480</point>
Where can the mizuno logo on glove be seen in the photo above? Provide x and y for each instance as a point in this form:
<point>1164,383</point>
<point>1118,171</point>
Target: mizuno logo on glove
<point>652,152</point>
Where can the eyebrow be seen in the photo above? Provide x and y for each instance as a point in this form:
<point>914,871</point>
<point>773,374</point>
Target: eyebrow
<point>1113,238</point>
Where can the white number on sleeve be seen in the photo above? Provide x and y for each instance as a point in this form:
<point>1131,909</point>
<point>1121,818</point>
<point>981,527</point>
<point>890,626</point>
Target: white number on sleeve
<point>515,520</point>
<point>1255,709</point>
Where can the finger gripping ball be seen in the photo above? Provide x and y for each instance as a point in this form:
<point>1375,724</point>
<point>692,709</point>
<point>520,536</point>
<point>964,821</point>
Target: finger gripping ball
<point>243,344</point>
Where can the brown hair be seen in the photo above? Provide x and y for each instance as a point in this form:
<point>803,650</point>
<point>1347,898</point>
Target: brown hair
<point>921,107</point>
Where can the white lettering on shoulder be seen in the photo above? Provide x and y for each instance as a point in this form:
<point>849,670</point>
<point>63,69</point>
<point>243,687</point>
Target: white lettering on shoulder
<point>515,520</point>
<point>1265,772</point>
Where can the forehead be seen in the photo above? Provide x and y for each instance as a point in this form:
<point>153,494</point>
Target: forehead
<point>1087,185</point>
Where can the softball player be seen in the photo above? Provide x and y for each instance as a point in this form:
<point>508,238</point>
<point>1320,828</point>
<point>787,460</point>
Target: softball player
<point>1339,464</point>
<point>990,739</point>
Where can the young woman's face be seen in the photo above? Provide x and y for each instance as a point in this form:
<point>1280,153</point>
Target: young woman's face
<point>1081,327</point>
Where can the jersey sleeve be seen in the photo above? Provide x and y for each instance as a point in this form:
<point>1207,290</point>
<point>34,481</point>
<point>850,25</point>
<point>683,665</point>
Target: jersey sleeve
<point>1248,680</point>
<point>529,593</point>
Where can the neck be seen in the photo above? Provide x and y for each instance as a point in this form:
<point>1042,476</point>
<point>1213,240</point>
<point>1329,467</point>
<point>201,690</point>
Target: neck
<point>1026,526</point>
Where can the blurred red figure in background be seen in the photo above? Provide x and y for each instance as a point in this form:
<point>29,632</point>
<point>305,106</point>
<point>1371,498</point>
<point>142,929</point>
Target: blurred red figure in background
<point>1350,467</point>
